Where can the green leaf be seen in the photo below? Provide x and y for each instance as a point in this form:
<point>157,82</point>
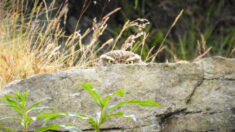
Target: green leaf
<point>116,114</point>
<point>9,100</point>
<point>17,96</point>
<point>71,128</point>
<point>94,94</point>
<point>39,108</point>
<point>37,103</point>
<point>8,105</point>
<point>111,115</point>
<point>7,129</point>
<point>50,116</point>
<point>130,117</point>
<point>54,126</point>
<point>80,116</point>
<point>120,92</point>
<point>23,97</point>
<point>92,123</point>
<point>120,114</point>
<point>16,108</point>
<point>28,120</point>
<point>90,120</point>
<point>12,103</point>
<point>12,118</point>
<point>144,103</point>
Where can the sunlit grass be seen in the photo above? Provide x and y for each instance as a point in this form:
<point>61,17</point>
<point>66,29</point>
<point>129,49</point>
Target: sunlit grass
<point>17,61</point>
<point>35,43</point>
<point>28,48</point>
<point>31,46</point>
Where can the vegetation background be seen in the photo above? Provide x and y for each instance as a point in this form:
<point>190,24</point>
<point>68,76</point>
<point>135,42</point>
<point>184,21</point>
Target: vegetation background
<point>51,35</point>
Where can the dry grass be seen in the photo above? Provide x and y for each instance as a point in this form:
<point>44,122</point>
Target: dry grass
<point>28,48</point>
<point>17,61</point>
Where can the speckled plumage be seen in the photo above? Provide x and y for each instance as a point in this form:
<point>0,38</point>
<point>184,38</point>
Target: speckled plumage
<point>119,57</point>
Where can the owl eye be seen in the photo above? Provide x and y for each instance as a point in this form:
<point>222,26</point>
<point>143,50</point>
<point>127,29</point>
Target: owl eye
<point>130,62</point>
<point>111,62</point>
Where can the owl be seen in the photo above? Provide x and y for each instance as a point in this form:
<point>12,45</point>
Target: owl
<point>119,57</point>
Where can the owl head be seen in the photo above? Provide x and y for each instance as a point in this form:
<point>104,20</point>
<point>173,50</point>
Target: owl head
<point>119,57</point>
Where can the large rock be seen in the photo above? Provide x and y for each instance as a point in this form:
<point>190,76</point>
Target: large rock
<point>195,96</point>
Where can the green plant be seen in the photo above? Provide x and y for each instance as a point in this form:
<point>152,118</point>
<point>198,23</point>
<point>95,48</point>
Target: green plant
<point>17,102</point>
<point>105,111</point>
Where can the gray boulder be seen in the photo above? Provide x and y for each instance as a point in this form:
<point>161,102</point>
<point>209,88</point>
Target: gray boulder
<point>195,96</point>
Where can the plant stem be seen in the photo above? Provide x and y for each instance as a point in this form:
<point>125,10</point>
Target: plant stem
<point>24,118</point>
<point>100,120</point>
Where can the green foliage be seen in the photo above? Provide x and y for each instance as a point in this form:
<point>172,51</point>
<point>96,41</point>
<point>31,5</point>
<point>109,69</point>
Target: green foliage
<point>6,129</point>
<point>56,126</point>
<point>210,19</point>
<point>216,35</point>
<point>105,110</point>
<point>17,102</point>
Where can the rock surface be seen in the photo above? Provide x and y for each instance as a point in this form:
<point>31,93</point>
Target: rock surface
<point>195,96</point>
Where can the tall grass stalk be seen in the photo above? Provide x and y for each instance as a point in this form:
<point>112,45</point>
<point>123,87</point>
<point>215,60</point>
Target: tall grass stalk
<point>32,41</point>
<point>164,39</point>
<point>30,45</point>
